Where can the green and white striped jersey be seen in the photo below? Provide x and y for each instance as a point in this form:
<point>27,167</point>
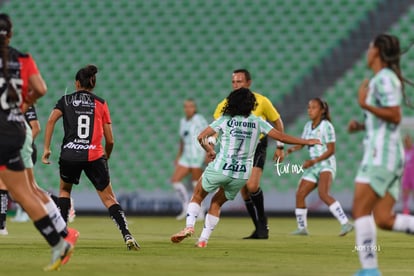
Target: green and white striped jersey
<point>325,132</point>
<point>189,131</point>
<point>383,143</point>
<point>239,137</point>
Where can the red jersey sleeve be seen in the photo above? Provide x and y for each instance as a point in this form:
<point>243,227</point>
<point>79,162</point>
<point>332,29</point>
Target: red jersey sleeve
<point>106,115</point>
<point>28,68</point>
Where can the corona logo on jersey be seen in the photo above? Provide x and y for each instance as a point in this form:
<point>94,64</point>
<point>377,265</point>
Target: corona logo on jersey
<point>235,123</point>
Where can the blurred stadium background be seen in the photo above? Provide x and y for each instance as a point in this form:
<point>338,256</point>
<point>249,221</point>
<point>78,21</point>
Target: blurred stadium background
<point>154,54</point>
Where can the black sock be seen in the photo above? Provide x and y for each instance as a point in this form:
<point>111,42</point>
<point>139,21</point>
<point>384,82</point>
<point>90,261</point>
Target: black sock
<point>252,211</point>
<point>4,201</point>
<point>54,198</point>
<point>258,201</point>
<point>45,227</point>
<point>64,206</point>
<point>118,216</point>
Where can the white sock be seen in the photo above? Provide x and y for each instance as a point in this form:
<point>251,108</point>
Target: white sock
<point>55,216</point>
<point>301,217</point>
<point>203,207</point>
<point>209,224</point>
<point>192,212</point>
<point>182,193</point>
<point>404,223</point>
<point>366,241</point>
<point>338,212</point>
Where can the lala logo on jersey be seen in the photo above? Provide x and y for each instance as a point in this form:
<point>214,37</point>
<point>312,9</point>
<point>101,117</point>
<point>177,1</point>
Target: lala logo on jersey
<point>234,167</point>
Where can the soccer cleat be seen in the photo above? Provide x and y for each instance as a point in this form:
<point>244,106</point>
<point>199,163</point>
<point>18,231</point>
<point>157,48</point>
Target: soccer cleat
<point>345,229</point>
<point>185,233</point>
<point>368,272</point>
<point>72,213</point>
<point>4,232</point>
<point>300,232</point>
<point>261,232</point>
<point>201,244</point>
<point>131,243</point>
<point>71,238</point>
<point>59,252</point>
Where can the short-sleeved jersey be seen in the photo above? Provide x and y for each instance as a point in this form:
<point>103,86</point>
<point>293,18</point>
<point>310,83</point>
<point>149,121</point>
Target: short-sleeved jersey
<point>325,132</point>
<point>84,117</point>
<point>239,137</point>
<point>264,109</point>
<point>30,114</point>
<point>20,68</point>
<point>189,131</point>
<point>383,143</point>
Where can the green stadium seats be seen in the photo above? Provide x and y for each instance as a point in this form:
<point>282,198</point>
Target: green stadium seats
<point>154,54</point>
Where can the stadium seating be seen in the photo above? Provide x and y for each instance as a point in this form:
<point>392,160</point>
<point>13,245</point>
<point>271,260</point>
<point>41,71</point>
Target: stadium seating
<point>344,107</point>
<point>154,54</point>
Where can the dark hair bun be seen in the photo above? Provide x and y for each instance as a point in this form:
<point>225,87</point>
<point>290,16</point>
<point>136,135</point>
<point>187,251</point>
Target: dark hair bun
<point>86,76</point>
<point>91,70</point>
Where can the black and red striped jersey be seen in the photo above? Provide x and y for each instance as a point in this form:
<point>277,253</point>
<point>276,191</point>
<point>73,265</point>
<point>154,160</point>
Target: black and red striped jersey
<point>84,116</point>
<point>20,68</point>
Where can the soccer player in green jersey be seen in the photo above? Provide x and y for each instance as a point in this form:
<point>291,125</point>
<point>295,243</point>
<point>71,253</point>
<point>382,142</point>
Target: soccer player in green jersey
<point>191,156</point>
<point>378,179</point>
<point>239,134</point>
<point>320,170</point>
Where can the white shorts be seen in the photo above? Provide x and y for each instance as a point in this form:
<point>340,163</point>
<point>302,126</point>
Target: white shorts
<point>195,161</point>
<point>312,174</point>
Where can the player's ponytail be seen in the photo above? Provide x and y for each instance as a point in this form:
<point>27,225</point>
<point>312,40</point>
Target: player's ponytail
<point>5,34</point>
<point>390,52</point>
<point>325,107</point>
<point>87,76</point>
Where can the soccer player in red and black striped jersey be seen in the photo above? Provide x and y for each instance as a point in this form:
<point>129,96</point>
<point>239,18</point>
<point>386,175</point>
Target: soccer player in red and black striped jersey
<point>18,75</point>
<point>86,120</point>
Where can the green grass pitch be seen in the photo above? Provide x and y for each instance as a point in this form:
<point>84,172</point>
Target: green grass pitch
<point>101,251</point>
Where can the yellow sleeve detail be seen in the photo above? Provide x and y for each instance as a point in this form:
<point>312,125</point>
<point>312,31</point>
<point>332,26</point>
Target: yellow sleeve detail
<point>269,110</point>
<point>218,112</point>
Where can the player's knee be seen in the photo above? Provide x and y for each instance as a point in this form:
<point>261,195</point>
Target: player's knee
<point>252,186</point>
<point>384,222</point>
